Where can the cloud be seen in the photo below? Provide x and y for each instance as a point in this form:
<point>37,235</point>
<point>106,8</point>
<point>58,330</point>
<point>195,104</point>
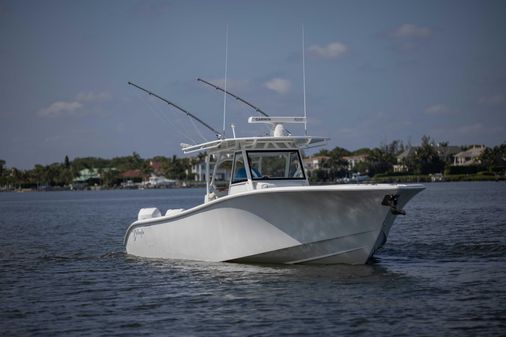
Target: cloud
<point>60,108</point>
<point>73,107</point>
<point>495,100</point>
<point>437,110</point>
<point>332,50</point>
<point>279,85</point>
<point>410,31</point>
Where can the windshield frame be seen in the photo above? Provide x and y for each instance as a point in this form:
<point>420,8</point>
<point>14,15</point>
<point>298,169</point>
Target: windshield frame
<point>233,178</point>
<point>254,174</point>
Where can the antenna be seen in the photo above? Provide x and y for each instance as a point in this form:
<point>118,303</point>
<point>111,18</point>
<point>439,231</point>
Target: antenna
<point>218,134</point>
<point>225,92</point>
<point>233,129</point>
<point>304,81</point>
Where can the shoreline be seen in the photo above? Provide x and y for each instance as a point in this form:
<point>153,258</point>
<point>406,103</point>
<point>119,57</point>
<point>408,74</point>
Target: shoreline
<point>376,180</point>
<point>438,178</point>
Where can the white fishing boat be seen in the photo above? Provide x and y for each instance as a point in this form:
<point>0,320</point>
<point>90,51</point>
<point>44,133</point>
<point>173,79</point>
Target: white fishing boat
<point>267,212</point>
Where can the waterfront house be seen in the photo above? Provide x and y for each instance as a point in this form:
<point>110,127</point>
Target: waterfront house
<point>132,174</point>
<point>198,170</point>
<point>471,156</point>
<point>354,160</point>
<point>447,152</point>
<point>86,177</point>
<point>315,163</point>
<point>402,159</point>
<point>156,167</point>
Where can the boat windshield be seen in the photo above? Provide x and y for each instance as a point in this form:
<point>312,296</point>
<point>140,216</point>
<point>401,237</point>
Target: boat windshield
<point>284,164</point>
<point>222,167</point>
<point>239,169</point>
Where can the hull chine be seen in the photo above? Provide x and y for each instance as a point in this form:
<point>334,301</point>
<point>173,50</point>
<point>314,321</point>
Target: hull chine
<point>350,249</point>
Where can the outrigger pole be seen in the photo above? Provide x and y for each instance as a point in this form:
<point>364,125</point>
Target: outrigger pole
<point>237,98</point>
<point>234,96</point>
<point>218,134</point>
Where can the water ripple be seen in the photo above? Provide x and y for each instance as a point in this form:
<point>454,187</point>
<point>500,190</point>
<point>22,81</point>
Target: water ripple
<point>64,272</point>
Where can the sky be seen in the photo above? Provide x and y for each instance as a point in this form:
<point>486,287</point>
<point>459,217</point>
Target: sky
<point>376,71</point>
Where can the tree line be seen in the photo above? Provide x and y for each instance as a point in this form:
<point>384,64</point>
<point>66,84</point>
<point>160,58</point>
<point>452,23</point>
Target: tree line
<point>427,158</point>
<point>430,157</point>
<point>109,170</point>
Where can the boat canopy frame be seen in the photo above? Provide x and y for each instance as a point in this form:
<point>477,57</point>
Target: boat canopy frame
<point>225,149</point>
<point>235,144</point>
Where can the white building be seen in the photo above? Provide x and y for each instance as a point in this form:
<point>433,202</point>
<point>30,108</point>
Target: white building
<point>199,172</point>
<point>354,160</point>
<point>314,163</point>
<point>469,157</point>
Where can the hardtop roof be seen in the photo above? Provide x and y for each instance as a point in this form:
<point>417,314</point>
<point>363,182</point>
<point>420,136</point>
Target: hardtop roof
<point>255,143</point>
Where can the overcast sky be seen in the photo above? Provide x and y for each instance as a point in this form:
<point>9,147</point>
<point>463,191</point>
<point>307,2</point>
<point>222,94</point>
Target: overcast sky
<point>376,71</point>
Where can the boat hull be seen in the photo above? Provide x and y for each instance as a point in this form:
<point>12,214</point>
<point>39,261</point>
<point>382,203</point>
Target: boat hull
<point>291,225</point>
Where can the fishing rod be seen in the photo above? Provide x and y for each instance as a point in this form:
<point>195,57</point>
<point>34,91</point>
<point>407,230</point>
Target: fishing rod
<point>237,98</point>
<point>234,96</point>
<point>218,134</point>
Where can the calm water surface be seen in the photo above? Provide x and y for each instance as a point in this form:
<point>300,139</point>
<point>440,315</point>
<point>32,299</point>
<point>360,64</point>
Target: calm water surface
<point>63,272</point>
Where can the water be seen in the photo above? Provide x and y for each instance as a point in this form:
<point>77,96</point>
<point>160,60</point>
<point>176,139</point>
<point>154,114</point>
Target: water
<point>63,272</point>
